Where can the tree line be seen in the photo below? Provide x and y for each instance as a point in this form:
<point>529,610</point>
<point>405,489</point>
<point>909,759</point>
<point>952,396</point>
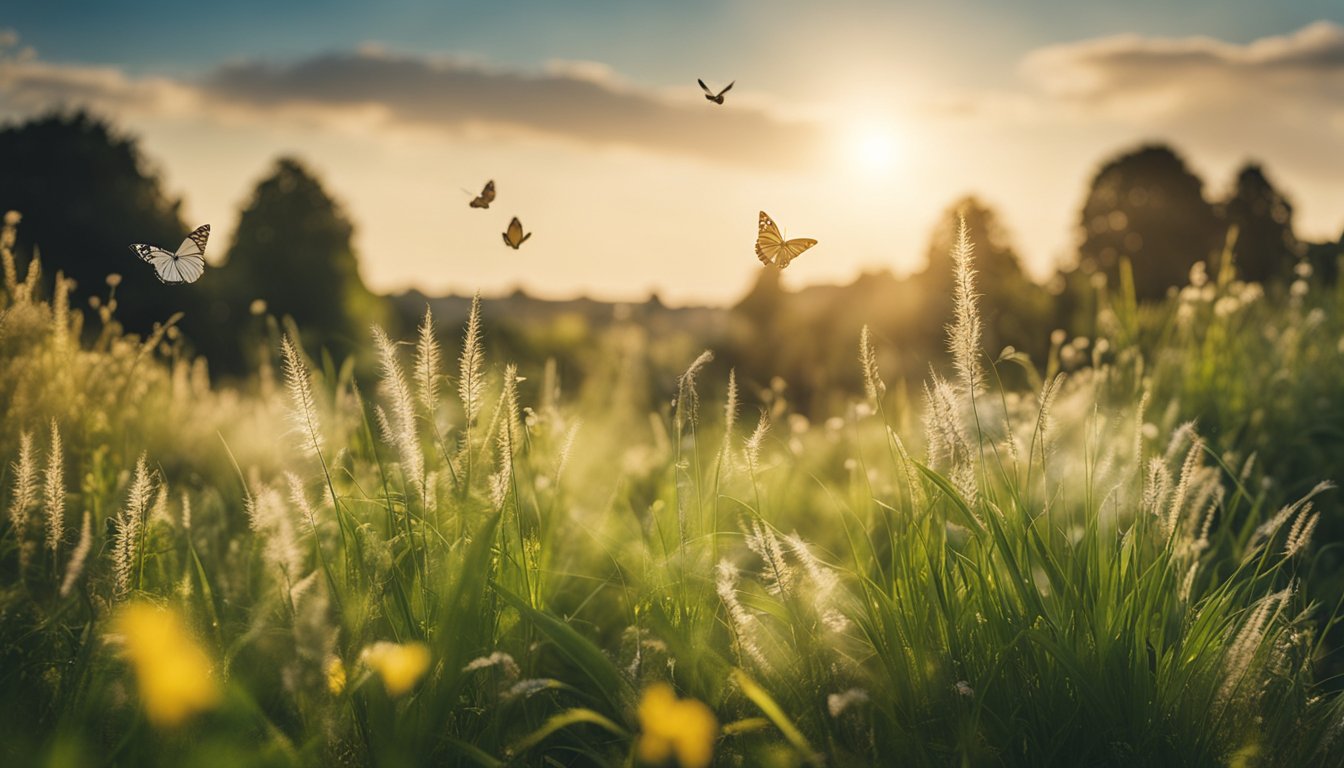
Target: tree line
<point>86,190</point>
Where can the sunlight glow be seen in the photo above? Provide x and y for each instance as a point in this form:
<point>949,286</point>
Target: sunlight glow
<point>873,148</point>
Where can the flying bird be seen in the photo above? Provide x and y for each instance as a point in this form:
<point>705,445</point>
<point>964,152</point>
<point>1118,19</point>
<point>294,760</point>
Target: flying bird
<point>513,236</point>
<point>185,265</point>
<point>717,98</point>
<point>772,248</point>
<point>486,197</point>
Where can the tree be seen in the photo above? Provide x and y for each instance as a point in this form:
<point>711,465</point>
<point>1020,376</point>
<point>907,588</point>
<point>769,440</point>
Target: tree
<point>86,194</point>
<point>1265,248</point>
<point>292,249</point>
<point>1147,207</point>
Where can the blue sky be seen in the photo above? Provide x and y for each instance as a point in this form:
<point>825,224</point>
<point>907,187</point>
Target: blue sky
<point>845,113</point>
<point>647,38</point>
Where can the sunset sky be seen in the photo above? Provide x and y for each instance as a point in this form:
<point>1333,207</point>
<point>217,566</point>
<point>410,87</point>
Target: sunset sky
<point>853,122</point>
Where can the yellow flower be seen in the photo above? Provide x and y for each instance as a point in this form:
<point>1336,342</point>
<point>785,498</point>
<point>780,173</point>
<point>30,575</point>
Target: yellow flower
<point>400,666</point>
<point>335,675</point>
<point>172,671</point>
<point>672,727</point>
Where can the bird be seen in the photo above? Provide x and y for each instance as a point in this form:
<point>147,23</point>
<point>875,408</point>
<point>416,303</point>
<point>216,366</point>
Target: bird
<point>717,98</point>
<point>185,265</point>
<point>772,248</point>
<point>486,197</point>
<point>513,236</point>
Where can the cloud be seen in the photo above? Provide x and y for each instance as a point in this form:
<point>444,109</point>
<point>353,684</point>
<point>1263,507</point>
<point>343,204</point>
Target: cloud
<point>1144,77</point>
<point>583,102</point>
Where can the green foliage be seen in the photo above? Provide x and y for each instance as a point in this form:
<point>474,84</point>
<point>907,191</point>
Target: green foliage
<point>1147,207</point>
<point>292,250</point>
<point>1065,577</point>
<point>87,193</point>
<point>1265,248</point>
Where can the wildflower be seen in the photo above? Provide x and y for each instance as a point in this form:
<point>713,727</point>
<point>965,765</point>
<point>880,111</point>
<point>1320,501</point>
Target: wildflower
<point>335,671</point>
<point>672,728</point>
<point>400,666</point>
<point>172,671</point>
<point>838,703</point>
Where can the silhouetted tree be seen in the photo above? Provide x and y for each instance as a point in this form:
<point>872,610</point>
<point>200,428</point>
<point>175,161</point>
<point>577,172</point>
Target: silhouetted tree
<point>1015,309</point>
<point>293,250</point>
<point>1265,248</point>
<point>1146,206</point>
<point>86,194</point>
<point>1325,259</point>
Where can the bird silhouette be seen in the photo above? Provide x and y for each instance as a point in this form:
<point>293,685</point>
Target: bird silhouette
<point>717,98</point>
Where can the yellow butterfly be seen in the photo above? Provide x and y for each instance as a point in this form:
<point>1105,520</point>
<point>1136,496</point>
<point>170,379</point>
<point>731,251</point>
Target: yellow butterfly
<point>514,237</point>
<point>772,248</point>
<point>486,197</point>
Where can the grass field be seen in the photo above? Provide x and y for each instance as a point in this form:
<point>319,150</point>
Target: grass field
<point>469,564</point>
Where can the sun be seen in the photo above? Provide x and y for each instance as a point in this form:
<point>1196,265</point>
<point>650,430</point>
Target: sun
<point>873,148</point>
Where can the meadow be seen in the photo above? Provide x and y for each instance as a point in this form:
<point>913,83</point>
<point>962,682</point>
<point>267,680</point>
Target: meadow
<point>1126,561</point>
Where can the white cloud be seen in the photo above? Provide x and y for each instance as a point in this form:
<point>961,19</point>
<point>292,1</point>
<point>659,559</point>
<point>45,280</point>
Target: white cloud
<point>579,102</point>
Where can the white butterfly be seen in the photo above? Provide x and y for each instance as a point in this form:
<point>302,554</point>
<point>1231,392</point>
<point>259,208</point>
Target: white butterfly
<point>186,265</point>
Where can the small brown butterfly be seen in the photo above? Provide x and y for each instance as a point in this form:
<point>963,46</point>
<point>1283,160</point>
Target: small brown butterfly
<point>717,98</point>
<point>486,197</point>
<point>772,248</point>
<point>513,236</point>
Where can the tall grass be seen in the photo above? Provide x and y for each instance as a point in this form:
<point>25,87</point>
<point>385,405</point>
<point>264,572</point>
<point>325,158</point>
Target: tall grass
<point>404,579</point>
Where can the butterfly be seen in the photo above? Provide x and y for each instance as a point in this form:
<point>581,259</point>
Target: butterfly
<point>771,247</point>
<point>717,98</point>
<point>186,265</point>
<point>486,197</point>
<point>513,236</point>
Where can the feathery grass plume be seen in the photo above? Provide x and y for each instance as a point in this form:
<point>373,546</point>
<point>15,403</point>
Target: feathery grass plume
<point>470,380</point>
<point>404,431</point>
<point>779,576</point>
<point>744,624</point>
<point>75,568</point>
<point>60,313</point>
<point>688,400</point>
<point>1237,664</point>
<point>1138,432</point>
<point>25,483</point>
<point>186,512</point>
<point>913,487</point>
<point>54,507</point>
<point>9,232</point>
<point>566,449</point>
<point>510,429</point>
<point>1300,534</point>
<point>270,518</point>
<point>299,499</point>
<point>873,385</point>
<point>825,584</point>
<point>729,419</point>
<point>1266,530</point>
<point>751,449</point>
<point>964,333</point>
<point>1189,469</point>
<point>303,409</point>
<point>428,359</point>
<point>130,524</point>
<point>27,290</point>
<point>948,447</point>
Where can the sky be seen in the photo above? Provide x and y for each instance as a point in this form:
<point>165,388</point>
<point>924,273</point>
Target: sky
<point>856,123</point>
